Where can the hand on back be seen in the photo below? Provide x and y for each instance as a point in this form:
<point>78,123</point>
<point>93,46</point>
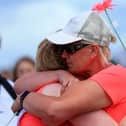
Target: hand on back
<point>66,79</point>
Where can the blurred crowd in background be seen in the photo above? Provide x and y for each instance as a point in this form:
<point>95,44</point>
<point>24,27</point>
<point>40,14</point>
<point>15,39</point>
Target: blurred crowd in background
<point>22,66</point>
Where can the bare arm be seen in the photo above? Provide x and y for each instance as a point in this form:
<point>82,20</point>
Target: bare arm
<point>123,122</point>
<point>35,80</point>
<point>85,96</point>
<point>95,118</point>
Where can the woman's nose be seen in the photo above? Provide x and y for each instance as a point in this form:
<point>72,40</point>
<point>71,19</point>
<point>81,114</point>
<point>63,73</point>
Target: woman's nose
<point>64,54</point>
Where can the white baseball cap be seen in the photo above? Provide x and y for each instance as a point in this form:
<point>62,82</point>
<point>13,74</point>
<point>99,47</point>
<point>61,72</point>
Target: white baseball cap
<point>93,29</point>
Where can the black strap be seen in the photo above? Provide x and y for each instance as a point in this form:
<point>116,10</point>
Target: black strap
<point>8,87</point>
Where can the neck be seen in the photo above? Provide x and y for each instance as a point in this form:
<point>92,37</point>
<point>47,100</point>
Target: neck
<point>98,65</point>
<point>93,67</point>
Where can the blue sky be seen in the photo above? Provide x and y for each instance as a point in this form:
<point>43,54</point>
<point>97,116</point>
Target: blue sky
<point>24,23</point>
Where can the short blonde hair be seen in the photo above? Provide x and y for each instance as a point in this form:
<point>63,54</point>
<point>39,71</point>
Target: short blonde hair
<point>105,54</point>
<point>49,57</point>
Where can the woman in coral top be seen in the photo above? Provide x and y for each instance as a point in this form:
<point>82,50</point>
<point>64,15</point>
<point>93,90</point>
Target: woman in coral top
<point>54,89</point>
<point>91,84</point>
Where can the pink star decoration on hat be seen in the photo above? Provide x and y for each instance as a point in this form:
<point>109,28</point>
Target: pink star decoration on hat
<point>106,4</point>
<point>102,7</point>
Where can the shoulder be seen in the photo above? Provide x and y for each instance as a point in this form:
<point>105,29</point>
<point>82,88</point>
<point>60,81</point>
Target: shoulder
<point>113,81</point>
<point>111,74</point>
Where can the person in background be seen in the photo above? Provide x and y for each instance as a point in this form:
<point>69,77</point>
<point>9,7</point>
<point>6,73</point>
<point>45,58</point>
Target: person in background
<point>7,95</point>
<point>23,66</point>
<point>85,45</point>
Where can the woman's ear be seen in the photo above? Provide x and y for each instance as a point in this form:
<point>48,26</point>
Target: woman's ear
<point>94,50</point>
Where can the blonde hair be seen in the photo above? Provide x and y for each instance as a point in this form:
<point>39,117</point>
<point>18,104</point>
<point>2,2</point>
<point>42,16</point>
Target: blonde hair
<point>105,54</point>
<point>49,57</point>
<point>105,51</point>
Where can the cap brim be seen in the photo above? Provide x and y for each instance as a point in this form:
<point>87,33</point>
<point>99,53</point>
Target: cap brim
<point>61,38</point>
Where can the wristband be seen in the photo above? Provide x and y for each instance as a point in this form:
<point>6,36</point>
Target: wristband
<point>23,96</point>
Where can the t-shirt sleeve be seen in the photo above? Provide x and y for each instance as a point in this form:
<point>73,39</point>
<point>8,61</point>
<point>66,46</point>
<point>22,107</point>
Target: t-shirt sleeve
<point>113,82</point>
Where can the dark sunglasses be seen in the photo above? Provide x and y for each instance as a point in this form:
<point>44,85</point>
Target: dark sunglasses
<point>71,49</point>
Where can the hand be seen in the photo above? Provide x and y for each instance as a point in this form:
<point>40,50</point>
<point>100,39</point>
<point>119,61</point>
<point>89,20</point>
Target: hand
<point>66,79</point>
<point>16,105</point>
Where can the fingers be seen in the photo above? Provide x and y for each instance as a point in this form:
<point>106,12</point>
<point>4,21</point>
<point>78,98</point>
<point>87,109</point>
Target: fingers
<point>63,88</point>
<point>69,83</point>
<point>16,105</point>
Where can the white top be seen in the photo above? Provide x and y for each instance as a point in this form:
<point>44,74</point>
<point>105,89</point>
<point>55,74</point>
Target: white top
<point>5,107</point>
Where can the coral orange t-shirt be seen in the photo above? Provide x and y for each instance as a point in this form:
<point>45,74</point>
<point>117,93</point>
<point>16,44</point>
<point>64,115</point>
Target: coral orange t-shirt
<point>27,119</point>
<point>113,81</point>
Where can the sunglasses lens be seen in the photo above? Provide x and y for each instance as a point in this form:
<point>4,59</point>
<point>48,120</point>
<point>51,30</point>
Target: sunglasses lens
<point>73,48</point>
<point>70,49</point>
